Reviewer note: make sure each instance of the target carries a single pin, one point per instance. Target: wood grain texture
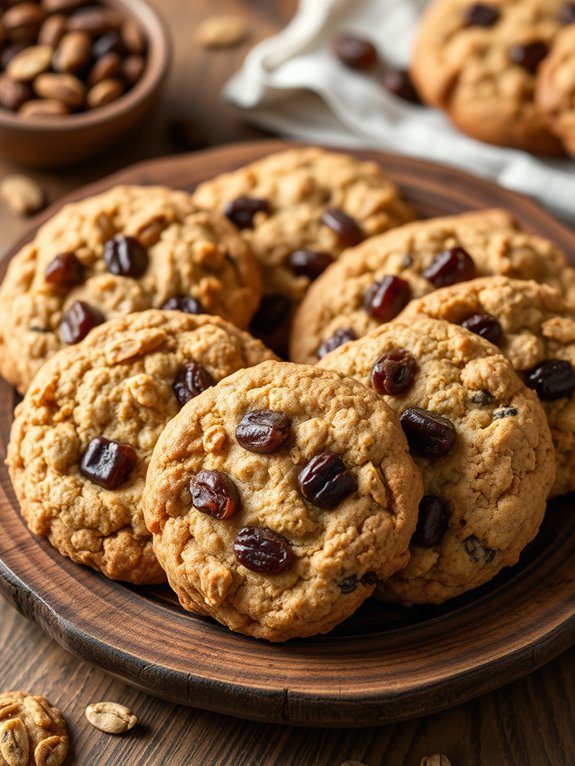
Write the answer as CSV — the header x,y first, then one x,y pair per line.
x,y
390,663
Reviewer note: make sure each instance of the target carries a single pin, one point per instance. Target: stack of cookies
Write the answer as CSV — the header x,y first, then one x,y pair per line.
x,y
503,70
406,451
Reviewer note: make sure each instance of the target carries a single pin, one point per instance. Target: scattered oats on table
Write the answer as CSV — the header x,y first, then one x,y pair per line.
x,y
222,31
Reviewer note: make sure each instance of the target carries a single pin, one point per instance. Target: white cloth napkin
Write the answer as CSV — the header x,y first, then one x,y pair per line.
x,y
292,84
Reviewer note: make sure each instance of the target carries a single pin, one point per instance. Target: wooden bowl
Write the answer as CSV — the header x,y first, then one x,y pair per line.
x,y
66,140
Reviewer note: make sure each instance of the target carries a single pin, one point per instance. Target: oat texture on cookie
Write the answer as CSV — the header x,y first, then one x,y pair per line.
x,y
535,328
32,731
128,249
480,439
278,497
371,283
84,433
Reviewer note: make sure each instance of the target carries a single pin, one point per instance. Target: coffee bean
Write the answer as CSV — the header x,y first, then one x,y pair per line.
x,y
133,68
132,37
354,51
450,267
325,481
399,82
431,523
184,303
566,14
190,381
262,550
386,298
104,92
215,494
551,379
43,107
529,55
309,263
242,210
480,15
107,66
52,30
78,320
61,6
394,372
9,52
486,326
29,63
272,313
14,94
65,271
428,433
337,339
23,21
73,52
96,20
65,88
125,256
107,462
346,228
263,431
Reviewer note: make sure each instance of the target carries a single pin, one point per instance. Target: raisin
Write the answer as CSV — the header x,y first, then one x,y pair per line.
x,y
190,381
325,481
354,51
242,210
529,55
508,412
309,263
125,256
477,551
486,326
483,398
399,82
450,267
348,584
274,310
262,550
345,227
184,303
108,463
263,431
480,15
335,341
428,433
431,522
215,494
393,372
64,271
78,320
551,379
386,298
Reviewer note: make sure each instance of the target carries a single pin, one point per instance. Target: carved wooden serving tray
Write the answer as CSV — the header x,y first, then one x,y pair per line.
x,y
383,664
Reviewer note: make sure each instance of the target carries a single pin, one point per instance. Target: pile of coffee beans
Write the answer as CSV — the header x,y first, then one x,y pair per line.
x,y
63,56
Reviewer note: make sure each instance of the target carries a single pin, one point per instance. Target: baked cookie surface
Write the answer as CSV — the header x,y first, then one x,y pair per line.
x,y
84,433
373,282
296,190
278,497
479,62
32,731
129,249
535,328
480,439
555,96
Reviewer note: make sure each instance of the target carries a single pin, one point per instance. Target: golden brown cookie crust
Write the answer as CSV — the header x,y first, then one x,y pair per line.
x,y
496,478
337,551
537,325
117,383
299,185
31,729
467,71
191,252
336,300
555,95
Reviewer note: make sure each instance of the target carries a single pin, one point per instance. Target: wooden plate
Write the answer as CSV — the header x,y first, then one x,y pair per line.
x,y
382,665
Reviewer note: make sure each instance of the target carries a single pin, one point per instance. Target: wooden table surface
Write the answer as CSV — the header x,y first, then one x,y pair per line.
x,y
527,722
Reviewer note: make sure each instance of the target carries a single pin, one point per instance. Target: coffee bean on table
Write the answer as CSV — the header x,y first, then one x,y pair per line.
x,y
263,431
262,550
184,303
309,263
125,256
386,298
107,462
190,381
325,481
242,210
65,271
486,326
394,372
346,228
354,51
335,341
431,523
78,320
551,379
450,267
214,493
428,433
